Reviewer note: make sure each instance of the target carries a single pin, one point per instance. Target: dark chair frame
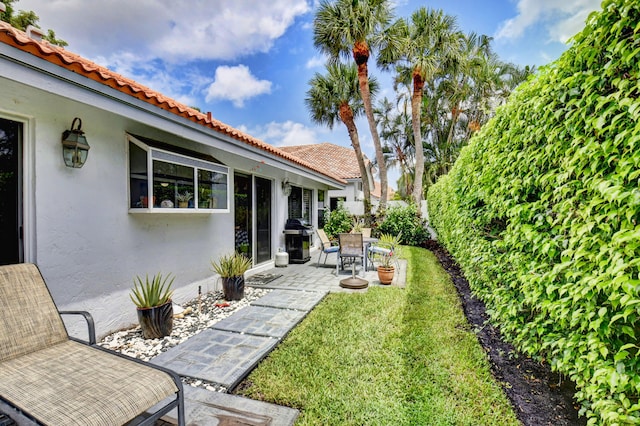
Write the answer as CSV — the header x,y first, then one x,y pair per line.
x,y
327,247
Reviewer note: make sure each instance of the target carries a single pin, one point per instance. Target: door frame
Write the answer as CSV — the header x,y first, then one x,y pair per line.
x,y
27,206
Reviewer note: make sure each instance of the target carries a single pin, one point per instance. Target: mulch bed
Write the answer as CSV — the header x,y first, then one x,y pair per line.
x,y
538,395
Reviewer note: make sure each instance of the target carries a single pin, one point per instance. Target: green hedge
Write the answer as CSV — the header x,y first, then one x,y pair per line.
x,y
542,212
405,221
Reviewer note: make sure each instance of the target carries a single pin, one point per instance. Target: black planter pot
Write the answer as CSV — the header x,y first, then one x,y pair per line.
x,y
156,322
233,288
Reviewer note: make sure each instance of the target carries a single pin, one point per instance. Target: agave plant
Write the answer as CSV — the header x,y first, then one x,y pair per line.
x,y
152,292
231,265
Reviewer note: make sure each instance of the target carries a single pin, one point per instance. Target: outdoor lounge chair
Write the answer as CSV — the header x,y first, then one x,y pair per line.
x,y
54,379
326,247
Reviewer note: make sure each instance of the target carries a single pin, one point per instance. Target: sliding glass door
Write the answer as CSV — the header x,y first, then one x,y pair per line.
x,y
243,197
253,227
263,219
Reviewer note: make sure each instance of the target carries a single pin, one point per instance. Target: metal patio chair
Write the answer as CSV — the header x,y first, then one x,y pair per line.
x,y
55,379
327,248
351,249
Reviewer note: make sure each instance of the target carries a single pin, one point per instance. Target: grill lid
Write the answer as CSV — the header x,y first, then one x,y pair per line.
x,y
297,223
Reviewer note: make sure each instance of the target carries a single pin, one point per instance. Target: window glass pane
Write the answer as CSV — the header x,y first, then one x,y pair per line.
x,y
187,161
307,195
138,185
173,185
212,190
243,214
321,208
295,203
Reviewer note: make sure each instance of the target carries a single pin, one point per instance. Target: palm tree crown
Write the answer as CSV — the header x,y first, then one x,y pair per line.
x,y
350,28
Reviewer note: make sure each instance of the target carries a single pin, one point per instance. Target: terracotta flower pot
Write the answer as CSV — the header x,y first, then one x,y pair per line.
x,y
385,274
156,322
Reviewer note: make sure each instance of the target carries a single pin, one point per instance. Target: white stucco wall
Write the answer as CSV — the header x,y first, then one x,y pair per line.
x,y
87,245
79,229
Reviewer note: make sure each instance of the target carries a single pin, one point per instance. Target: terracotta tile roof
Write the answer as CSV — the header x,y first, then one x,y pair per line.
x,y
75,63
335,159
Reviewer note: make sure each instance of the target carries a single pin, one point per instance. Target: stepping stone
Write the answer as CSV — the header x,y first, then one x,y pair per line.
x,y
204,407
291,299
261,321
217,356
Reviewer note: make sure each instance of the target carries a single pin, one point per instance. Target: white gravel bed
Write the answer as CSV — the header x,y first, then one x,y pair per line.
x,y
203,315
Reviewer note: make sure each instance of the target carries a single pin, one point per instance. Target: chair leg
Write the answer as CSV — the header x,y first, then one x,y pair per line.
x,y
181,414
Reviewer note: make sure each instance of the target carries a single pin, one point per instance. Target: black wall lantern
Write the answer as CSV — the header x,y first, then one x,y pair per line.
x,y
75,147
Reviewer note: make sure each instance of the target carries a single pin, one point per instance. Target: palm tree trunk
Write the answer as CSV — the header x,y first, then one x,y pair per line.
x,y
346,115
454,121
416,105
361,56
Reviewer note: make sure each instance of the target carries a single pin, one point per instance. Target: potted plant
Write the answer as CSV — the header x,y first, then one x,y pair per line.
x,y
152,297
183,199
387,248
231,268
386,270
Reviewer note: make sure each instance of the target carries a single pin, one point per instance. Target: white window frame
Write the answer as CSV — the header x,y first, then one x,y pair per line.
x,y
157,154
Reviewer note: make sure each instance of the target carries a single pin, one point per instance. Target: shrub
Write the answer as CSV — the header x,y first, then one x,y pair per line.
x,y
406,222
337,220
542,212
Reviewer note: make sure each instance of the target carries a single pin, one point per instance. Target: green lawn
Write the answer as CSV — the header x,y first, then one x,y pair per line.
x,y
389,356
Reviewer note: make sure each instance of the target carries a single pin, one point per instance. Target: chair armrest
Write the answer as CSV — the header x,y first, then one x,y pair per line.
x,y
90,324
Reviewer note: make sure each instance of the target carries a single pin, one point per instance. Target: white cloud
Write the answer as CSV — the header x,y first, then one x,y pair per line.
x,y
561,19
288,133
236,84
171,31
316,61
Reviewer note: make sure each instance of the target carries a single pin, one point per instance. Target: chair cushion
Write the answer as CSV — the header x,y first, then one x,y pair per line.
x,y
74,384
331,249
29,320
379,250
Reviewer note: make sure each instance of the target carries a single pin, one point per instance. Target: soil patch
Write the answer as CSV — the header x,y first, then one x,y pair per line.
x,y
538,395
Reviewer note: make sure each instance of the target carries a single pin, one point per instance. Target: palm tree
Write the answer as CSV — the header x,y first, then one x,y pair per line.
x,y
334,97
395,130
428,42
351,28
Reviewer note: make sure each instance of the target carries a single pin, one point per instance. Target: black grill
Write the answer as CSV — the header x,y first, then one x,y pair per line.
x,y
297,237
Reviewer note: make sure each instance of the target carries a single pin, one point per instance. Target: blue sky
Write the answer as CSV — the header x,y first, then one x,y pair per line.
x,y
249,61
